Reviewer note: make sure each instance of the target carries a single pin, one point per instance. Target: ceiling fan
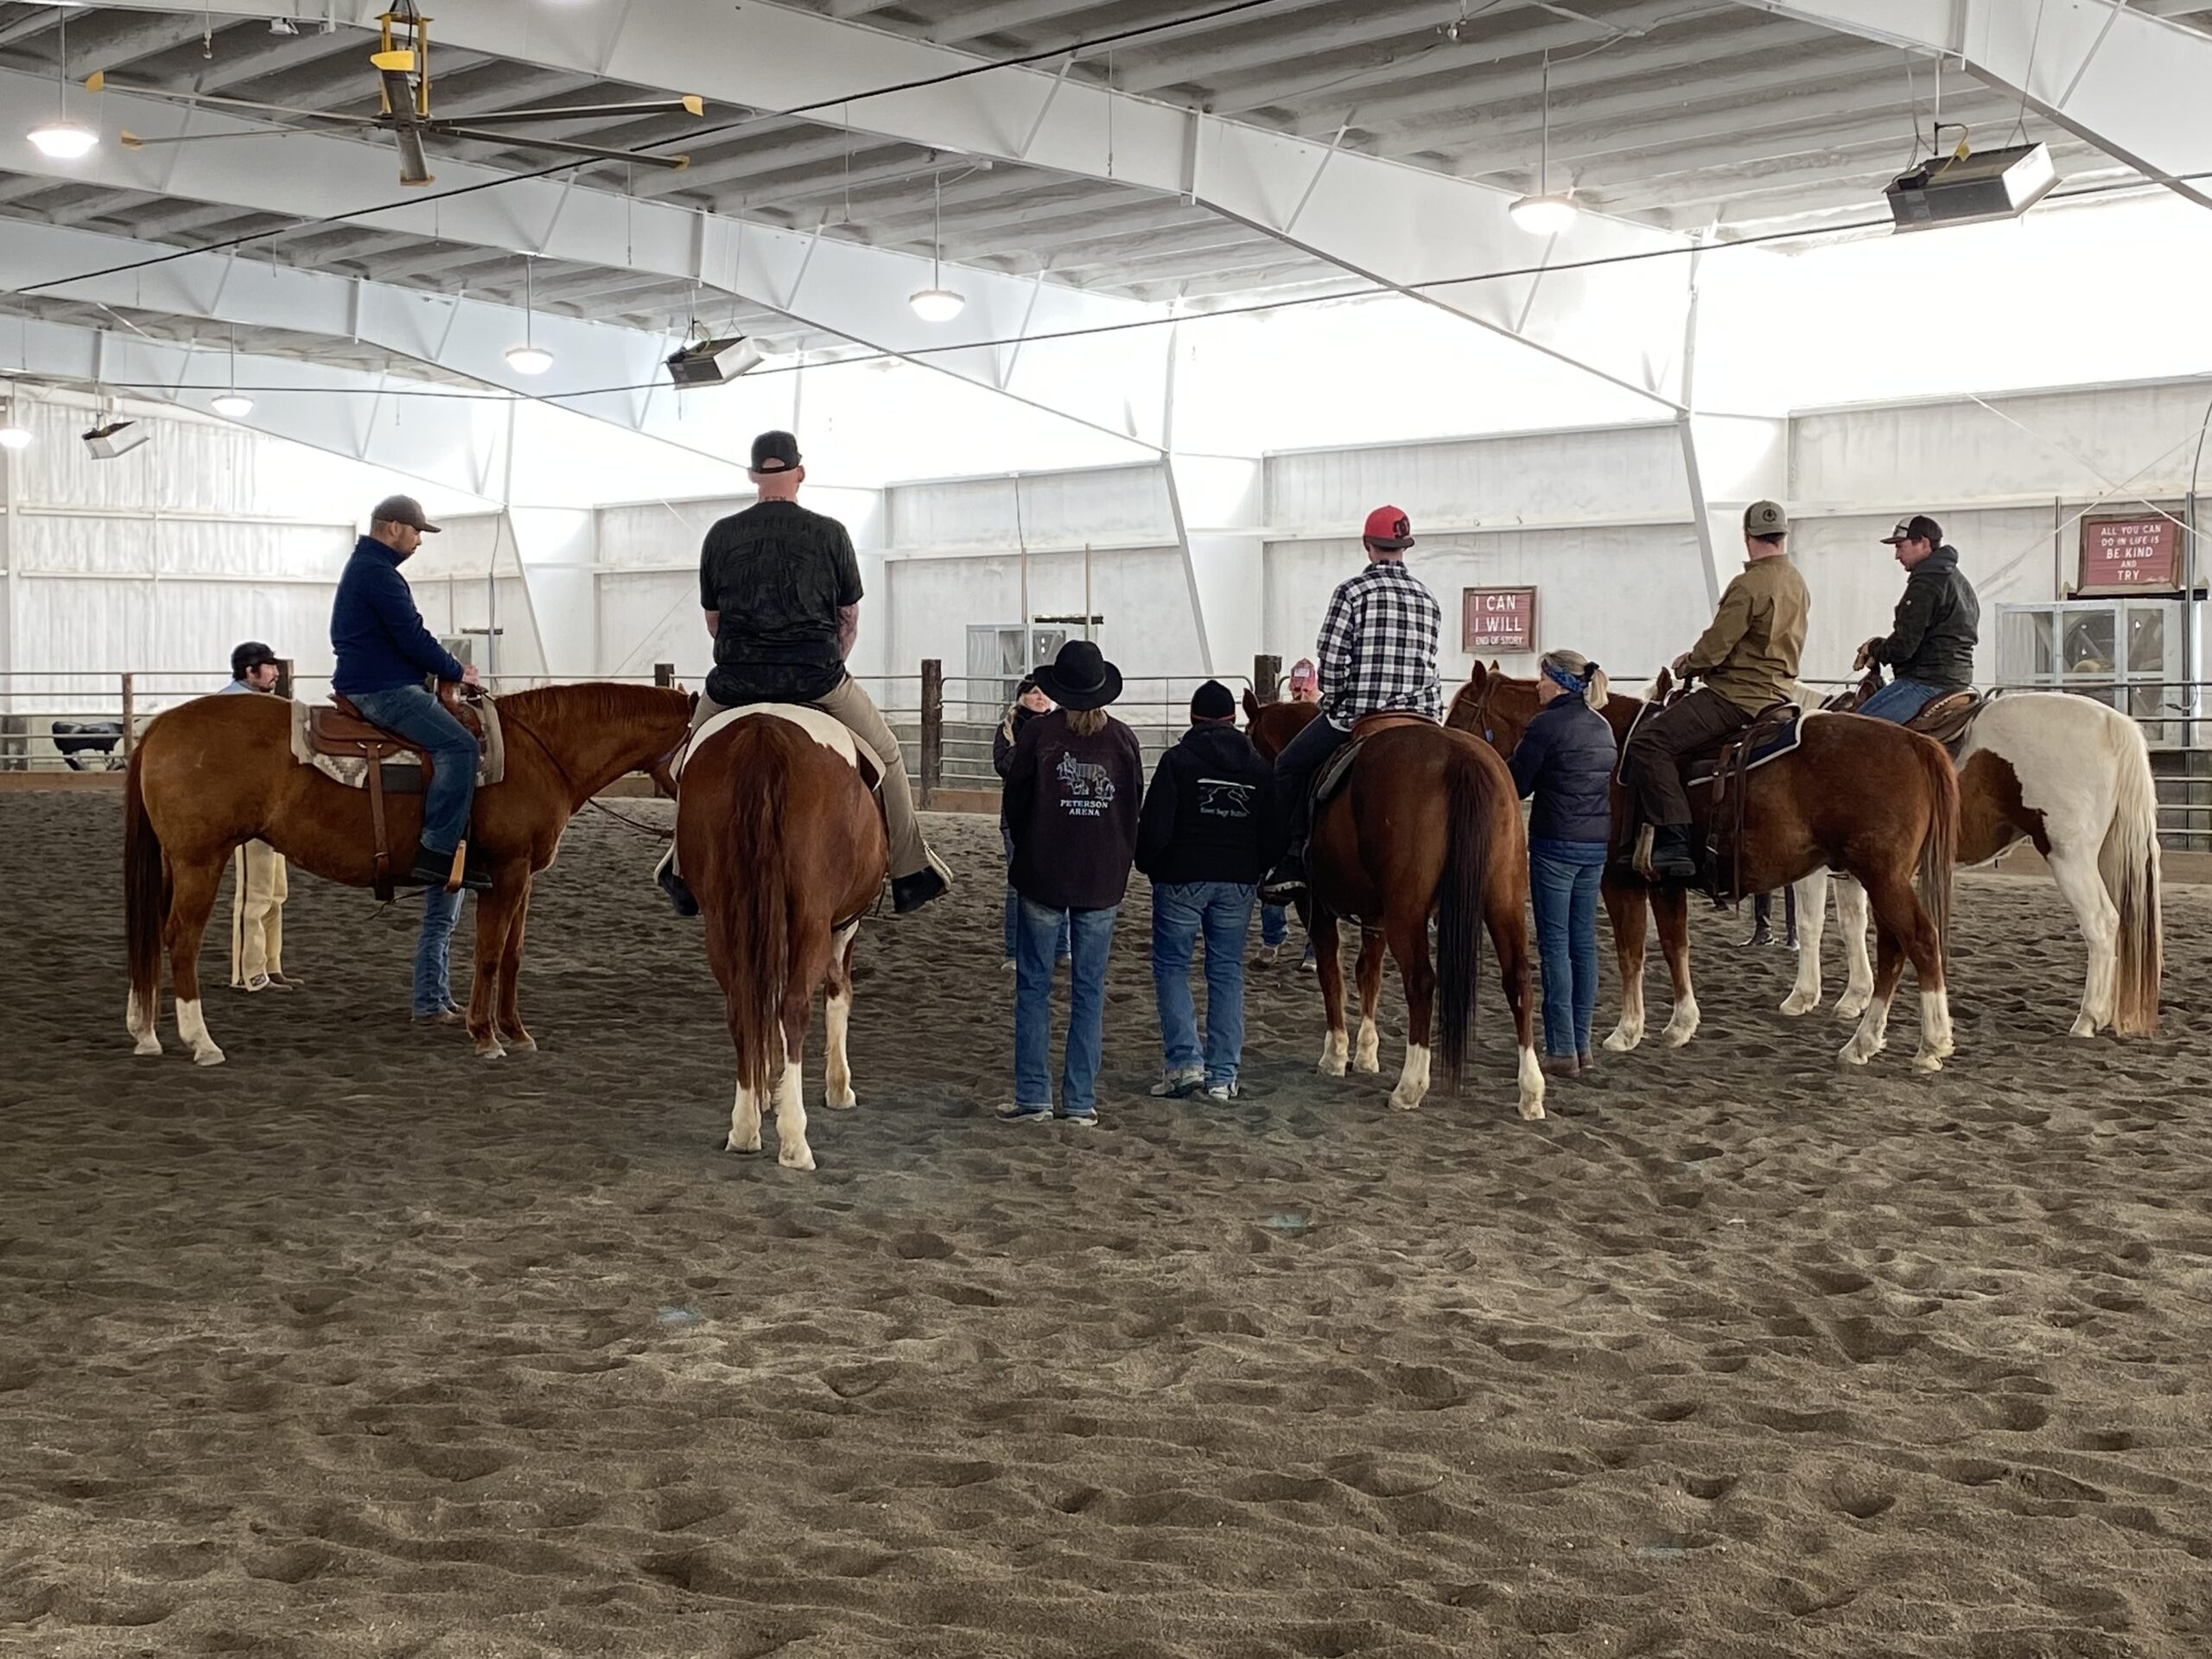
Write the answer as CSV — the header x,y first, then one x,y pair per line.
x,y
403,66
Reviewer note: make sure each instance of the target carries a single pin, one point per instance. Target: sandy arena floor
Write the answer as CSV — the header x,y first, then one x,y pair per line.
x,y
356,1345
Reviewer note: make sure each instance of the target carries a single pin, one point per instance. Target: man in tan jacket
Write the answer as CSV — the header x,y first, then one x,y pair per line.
x,y
1747,660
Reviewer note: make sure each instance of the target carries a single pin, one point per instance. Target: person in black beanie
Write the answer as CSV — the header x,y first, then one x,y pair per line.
x,y
1207,835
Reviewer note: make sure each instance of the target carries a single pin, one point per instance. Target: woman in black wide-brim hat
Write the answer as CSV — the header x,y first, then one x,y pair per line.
x,y
1074,782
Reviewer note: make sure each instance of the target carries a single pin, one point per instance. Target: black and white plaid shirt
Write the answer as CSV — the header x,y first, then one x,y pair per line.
x,y
1378,645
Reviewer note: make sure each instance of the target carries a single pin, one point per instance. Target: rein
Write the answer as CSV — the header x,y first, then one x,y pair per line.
x,y
652,831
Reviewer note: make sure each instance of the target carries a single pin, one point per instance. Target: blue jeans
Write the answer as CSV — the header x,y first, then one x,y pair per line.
x,y
1274,924
1182,911
1091,932
1013,902
1563,881
415,715
433,991
1899,700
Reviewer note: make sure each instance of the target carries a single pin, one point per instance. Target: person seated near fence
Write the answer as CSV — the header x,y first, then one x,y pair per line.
x,y
1204,838
384,654
1377,653
1029,703
1304,686
1564,758
781,585
1073,786
260,883
1929,647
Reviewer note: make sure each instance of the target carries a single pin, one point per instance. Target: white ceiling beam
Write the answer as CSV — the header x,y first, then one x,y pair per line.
x,y
439,441
967,22
1408,228
2132,84
836,287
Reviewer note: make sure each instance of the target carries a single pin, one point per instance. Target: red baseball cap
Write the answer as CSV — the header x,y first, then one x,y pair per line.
x,y
1388,529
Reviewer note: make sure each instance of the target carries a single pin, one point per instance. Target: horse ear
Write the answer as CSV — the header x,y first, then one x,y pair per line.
x,y
1495,668
1475,680
1251,704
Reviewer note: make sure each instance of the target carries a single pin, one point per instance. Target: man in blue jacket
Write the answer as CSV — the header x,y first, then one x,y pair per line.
x,y
384,653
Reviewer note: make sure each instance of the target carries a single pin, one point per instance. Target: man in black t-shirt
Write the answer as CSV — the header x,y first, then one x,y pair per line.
x,y
781,589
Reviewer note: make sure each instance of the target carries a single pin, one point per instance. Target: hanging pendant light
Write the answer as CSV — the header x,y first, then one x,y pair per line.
x,y
14,434
233,405
63,139
1546,213
936,302
528,357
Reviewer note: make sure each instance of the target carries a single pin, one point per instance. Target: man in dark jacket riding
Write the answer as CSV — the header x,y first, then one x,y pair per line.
x,y
1929,647
384,654
1206,833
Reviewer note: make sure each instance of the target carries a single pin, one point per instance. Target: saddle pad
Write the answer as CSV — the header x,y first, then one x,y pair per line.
x,y
401,774
1330,780
1777,743
830,732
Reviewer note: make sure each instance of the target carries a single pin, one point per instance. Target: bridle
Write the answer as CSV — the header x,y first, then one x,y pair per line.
x,y
652,831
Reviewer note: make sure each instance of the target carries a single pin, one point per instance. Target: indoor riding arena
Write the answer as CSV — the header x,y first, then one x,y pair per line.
x,y
1092,828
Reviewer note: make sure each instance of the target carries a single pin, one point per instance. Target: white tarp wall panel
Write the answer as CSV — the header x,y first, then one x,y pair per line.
x,y
1605,474
1628,596
466,579
1856,582
2077,444
652,616
1149,631
1112,506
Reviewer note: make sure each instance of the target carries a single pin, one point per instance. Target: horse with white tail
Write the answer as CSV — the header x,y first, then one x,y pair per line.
x,y
2071,777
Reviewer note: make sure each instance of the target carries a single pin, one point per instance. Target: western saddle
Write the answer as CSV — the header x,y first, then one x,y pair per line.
x,y
339,730
1944,718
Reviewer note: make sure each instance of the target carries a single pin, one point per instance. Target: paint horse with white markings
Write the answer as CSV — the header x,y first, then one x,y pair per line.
x,y
2072,777
782,841
1856,795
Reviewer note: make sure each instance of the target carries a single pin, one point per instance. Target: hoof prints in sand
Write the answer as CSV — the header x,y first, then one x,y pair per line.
x,y
358,1345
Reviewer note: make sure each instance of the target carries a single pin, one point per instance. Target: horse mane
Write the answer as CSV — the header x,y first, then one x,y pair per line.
x,y
587,702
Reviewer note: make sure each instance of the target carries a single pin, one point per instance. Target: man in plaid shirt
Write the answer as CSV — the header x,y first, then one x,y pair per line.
x,y
1378,651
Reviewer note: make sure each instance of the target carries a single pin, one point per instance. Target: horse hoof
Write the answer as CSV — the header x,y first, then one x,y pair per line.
x,y
2082,1028
1532,1111
1398,1105
843,1102
490,1051
1795,1004
1849,1009
802,1160
1369,1064
1671,1038
1621,1042
522,1045
731,1145
210,1055
147,1045
1928,1062
1850,1055
1331,1066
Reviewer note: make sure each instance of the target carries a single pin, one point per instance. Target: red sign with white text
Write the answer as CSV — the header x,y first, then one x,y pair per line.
x,y
2130,555
1497,619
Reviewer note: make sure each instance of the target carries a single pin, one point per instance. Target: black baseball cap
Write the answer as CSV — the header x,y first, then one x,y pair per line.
x,y
1918,528
775,452
401,509
250,656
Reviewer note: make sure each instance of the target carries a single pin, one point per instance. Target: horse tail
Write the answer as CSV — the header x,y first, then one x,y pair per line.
x,y
1461,897
758,910
145,891
1939,840
2128,861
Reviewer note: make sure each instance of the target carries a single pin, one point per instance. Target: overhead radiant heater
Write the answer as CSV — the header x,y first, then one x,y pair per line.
x,y
1971,188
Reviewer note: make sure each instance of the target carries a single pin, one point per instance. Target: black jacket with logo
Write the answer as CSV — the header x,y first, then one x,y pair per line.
x,y
1209,814
1071,805
1938,621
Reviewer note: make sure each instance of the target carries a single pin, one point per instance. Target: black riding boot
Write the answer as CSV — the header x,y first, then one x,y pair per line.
x,y
1671,857
1762,922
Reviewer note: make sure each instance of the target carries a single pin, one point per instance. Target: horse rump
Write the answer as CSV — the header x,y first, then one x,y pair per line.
x,y
740,881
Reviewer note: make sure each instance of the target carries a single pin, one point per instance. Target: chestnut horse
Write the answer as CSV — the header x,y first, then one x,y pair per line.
x,y
217,771
1861,796
1427,824
2072,777
783,846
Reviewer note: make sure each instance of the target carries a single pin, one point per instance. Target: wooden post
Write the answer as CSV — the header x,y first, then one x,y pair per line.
x,y
284,677
933,729
130,713
664,675
1267,678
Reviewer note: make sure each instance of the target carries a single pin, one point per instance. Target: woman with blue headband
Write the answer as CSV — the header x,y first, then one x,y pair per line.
x,y
1566,758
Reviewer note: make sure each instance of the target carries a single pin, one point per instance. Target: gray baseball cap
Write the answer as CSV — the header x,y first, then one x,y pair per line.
x,y
1765,518
401,509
